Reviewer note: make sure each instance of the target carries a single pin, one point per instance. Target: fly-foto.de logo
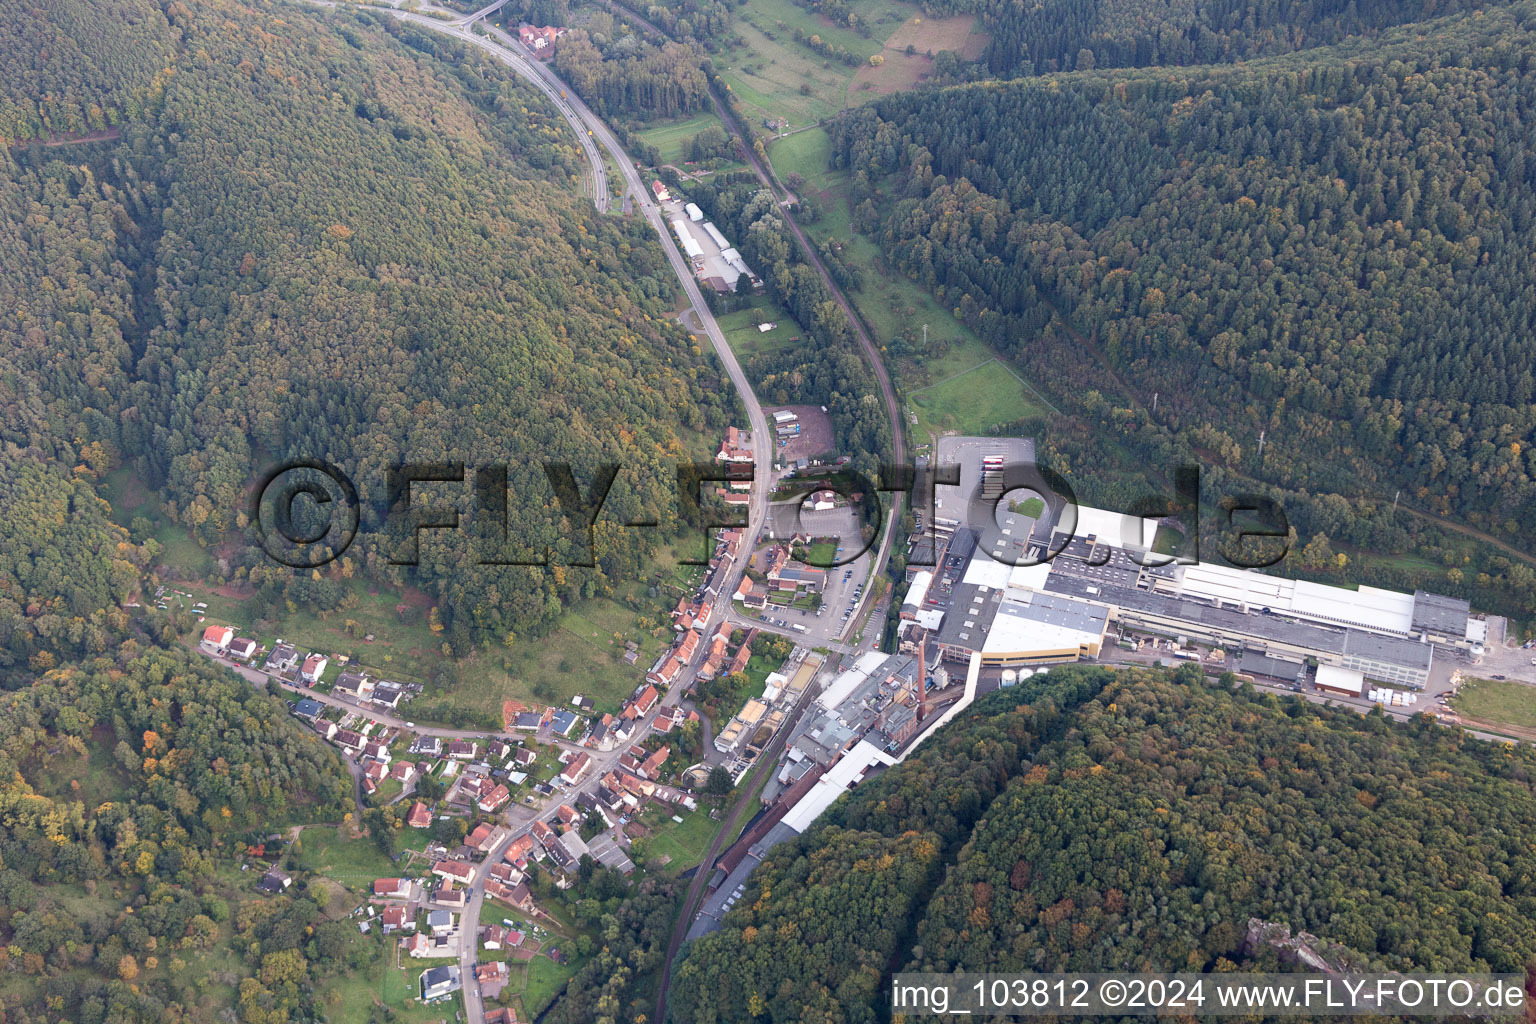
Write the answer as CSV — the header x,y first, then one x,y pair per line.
x,y
308,512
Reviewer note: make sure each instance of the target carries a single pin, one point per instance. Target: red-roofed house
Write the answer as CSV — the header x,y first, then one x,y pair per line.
x,y
652,765
646,700
392,887
495,799
217,638
518,851
314,667
541,40
420,816
734,448
576,768
454,870
396,920
402,771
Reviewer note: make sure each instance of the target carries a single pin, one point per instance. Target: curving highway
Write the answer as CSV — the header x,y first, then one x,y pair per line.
x,y
591,133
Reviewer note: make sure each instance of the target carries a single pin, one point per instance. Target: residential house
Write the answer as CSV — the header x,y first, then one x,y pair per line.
x,y
308,709
439,982
377,771
650,768
392,888
387,695
601,734
396,919
420,816
569,849
517,853
715,660
352,684
440,922
528,720
492,936
217,638
540,40
575,768
501,1015
525,757
495,800
449,895
314,668
377,751
492,978
431,746
282,658
737,447
521,897
563,722
454,871
463,750
327,729
353,741
402,772
418,945
643,703
485,837
241,648
274,881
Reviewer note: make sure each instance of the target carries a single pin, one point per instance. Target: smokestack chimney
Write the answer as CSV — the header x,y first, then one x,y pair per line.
x,y
922,674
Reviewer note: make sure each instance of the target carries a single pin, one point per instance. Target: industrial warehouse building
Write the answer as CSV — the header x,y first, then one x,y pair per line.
x,y
1060,610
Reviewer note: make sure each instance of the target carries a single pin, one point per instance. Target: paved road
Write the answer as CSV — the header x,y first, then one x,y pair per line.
x,y
590,131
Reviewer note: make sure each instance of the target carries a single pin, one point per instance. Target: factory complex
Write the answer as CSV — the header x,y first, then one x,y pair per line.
x,y
997,591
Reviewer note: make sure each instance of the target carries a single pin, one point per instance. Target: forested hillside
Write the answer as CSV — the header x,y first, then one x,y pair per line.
x,y
1134,820
335,236
125,779
1332,247
1068,35
82,66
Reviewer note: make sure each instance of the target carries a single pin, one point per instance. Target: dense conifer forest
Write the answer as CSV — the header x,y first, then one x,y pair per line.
x,y
1330,246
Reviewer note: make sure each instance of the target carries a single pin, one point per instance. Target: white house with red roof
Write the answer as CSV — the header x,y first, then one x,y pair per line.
x,y
217,638
314,667
575,768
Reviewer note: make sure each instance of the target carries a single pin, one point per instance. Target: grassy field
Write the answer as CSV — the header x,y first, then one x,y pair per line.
x,y
130,498
684,842
804,153
545,980
776,78
974,401
671,136
355,863
1498,700
351,998
746,340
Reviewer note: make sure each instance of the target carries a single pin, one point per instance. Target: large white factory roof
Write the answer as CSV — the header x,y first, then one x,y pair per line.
x,y
1042,623
1112,528
851,680
918,589
835,783
1369,607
